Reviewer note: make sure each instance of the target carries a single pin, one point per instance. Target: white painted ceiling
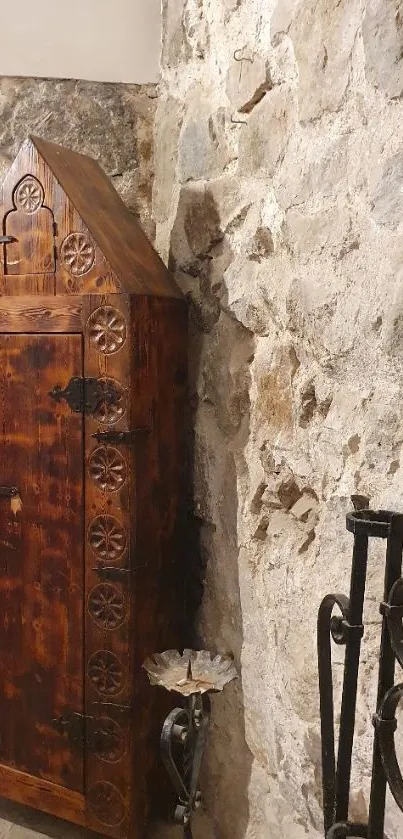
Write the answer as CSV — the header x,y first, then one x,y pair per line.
x,y
98,40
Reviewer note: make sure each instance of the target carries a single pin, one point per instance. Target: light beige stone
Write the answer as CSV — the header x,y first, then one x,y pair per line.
x,y
263,141
175,45
387,198
382,33
287,235
248,81
323,33
203,147
168,125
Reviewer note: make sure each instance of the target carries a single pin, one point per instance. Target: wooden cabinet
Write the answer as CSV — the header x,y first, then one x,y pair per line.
x,y
92,463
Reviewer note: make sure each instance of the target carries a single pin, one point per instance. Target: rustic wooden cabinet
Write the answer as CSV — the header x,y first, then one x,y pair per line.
x,y
92,391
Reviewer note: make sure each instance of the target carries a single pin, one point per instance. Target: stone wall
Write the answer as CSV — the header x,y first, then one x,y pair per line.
x,y
113,123
279,203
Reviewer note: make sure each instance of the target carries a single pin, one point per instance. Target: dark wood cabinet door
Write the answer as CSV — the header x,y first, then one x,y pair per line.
x,y
41,557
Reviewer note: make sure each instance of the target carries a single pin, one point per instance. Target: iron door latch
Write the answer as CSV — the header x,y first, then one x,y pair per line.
x,y
111,574
127,438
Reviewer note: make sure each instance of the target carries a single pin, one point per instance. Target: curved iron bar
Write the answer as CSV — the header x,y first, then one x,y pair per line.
x,y
385,725
188,729
347,629
177,717
386,675
342,830
324,637
393,610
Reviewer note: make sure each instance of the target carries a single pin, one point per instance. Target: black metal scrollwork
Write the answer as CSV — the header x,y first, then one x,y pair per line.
x,y
347,629
183,740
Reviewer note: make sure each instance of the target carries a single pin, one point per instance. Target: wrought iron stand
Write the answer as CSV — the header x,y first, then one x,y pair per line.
x,y
182,745
193,675
347,629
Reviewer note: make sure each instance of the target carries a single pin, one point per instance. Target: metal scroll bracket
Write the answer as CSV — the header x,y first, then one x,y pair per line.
x,y
193,674
347,629
183,740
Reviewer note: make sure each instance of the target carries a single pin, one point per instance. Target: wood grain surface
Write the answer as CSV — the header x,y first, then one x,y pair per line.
x,y
41,557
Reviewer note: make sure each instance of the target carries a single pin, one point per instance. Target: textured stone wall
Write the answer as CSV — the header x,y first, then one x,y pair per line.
x,y
113,123
279,203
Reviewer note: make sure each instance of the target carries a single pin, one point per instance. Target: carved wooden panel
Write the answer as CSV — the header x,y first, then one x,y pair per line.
x,y
106,605
113,741
107,468
107,538
30,224
106,323
77,254
37,212
106,803
107,329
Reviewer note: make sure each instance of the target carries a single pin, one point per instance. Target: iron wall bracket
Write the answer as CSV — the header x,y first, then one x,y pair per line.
x,y
183,740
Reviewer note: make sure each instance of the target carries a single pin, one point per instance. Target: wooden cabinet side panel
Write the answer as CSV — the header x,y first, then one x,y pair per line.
x,y
107,671
159,388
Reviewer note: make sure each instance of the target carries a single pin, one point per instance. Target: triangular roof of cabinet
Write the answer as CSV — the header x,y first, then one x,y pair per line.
x,y
66,230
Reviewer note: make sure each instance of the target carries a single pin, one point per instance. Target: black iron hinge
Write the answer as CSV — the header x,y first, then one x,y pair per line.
x,y
85,395
72,724
93,733
9,492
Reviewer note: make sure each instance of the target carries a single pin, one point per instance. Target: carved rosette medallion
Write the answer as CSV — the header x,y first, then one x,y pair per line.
x,y
29,195
107,329
106,605
107,538
77,254
111,411
106,803
107,468
111,739
105,672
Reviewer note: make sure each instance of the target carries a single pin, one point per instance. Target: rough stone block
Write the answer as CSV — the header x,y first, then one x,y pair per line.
x,y
263,141
387,198
248,81
382,34
323,33
203,148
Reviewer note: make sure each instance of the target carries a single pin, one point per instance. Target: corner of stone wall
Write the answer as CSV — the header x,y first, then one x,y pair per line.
x,y
278,203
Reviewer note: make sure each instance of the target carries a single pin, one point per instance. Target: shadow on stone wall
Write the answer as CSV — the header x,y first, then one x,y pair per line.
x,y
220,351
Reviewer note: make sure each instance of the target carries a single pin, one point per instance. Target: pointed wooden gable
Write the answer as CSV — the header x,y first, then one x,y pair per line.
x,y
66,230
